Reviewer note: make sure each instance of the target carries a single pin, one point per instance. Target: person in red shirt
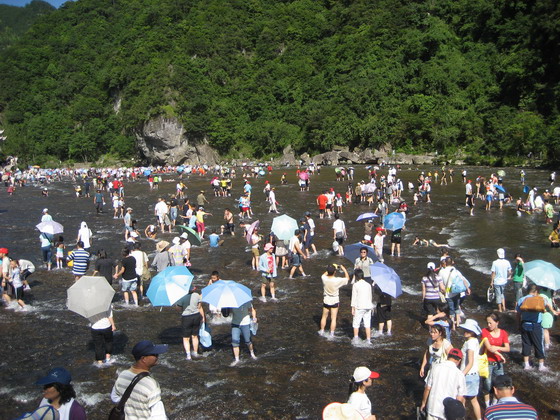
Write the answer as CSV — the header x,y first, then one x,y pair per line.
x,y
322,203
495,342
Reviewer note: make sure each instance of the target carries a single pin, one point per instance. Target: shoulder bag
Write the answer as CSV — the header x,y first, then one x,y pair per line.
x,y
117,413
533,304
483,368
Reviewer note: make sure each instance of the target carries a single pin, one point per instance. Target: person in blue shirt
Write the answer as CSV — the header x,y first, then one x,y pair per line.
x,y
531,329
214,239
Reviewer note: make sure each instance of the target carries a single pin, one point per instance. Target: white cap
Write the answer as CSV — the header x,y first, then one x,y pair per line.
x,y
184,235
367,237
361,373
431,266
501,253
45,210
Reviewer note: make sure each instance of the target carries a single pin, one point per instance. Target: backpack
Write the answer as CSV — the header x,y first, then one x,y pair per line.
x,y
457,285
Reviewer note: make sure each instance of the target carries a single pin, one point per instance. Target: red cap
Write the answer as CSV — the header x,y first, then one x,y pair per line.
x,y
379,229
456,353
4,251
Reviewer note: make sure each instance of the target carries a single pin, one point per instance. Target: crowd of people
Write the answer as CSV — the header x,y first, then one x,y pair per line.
x,y
454,377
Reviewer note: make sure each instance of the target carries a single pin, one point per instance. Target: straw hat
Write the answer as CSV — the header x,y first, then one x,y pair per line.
x,y
161,245
338,411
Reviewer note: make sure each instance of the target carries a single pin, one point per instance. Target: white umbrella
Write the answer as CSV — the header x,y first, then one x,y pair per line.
x,y
90,297
284,227
51,227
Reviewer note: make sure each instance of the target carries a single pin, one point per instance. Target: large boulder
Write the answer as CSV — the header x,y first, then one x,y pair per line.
x,y
351,157
163,141
327,158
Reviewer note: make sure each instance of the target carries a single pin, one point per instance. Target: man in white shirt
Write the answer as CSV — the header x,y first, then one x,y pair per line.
x,y
444,380
362,305
141,265
311,234
339,232
501,273
161,211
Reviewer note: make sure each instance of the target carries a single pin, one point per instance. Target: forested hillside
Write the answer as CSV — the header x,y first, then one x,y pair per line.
x,y
476,76
14,21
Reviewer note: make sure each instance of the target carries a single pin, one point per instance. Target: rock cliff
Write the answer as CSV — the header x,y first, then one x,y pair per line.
x,y
163,141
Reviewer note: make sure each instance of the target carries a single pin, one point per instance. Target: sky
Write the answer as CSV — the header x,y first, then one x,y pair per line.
x,y
21,3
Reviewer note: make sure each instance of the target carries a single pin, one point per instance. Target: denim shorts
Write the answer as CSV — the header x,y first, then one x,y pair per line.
x,y
129,285
499,293
473,382
236,331
496,369
453,303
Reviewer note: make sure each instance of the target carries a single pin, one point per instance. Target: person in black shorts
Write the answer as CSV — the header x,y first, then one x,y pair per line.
x,y
396,242
384,304
191,320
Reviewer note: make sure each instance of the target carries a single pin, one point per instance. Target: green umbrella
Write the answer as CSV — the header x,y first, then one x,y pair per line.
x,y
194,239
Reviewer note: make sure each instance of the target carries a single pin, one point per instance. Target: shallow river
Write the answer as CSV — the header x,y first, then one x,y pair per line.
x,y
297,372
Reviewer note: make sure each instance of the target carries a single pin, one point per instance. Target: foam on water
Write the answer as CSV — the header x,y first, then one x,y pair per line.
x,y
214,383
412,290
92,400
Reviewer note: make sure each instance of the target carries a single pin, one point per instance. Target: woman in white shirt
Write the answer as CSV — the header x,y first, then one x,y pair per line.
x,y
469,364
360,381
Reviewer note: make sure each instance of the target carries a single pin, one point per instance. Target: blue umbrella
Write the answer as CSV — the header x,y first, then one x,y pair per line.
x,y
543,274
170,285
284,227
352,251
386,278
366,216
394,221
500,188
226,294
147,172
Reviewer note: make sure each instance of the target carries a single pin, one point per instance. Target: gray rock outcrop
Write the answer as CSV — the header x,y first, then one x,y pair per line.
x,y
163,141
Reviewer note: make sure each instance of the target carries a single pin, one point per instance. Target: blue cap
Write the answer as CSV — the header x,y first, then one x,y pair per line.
x,y
147,348
57,375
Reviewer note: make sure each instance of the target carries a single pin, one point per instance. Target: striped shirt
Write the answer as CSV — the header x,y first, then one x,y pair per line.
x,y
144,396
81,261
510,408
432,286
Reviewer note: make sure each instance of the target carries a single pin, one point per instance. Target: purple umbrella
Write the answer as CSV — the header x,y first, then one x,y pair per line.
x,y
251,229
366,216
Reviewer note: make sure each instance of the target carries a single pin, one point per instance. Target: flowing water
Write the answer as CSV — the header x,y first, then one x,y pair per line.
x,y
297,372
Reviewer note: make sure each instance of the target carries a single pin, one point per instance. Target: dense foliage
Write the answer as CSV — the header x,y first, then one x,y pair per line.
x,y
253,76
14,21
